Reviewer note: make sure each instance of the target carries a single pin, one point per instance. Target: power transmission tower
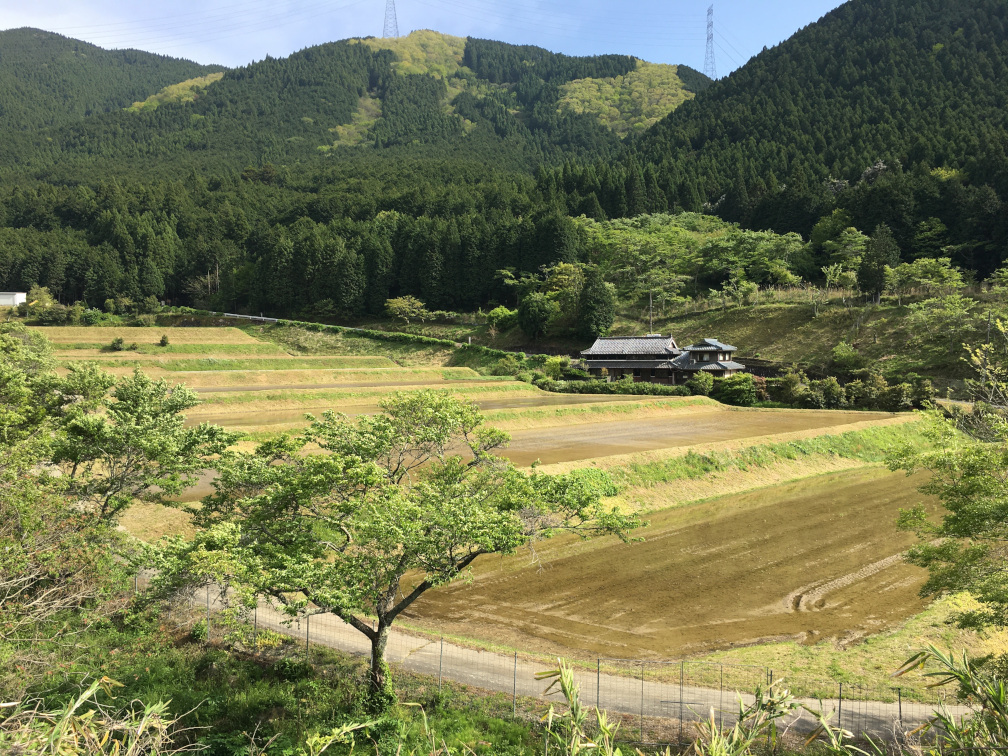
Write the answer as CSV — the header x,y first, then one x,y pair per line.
x,y
708,67
391,23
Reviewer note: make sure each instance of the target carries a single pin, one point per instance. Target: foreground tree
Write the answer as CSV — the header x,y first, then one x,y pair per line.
x,y
124,440
967,549
398,503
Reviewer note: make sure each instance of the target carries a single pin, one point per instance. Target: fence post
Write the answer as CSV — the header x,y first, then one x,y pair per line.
x,y
839,718
136,583
514,691
598,681
642,702
682,673
721,700
440,665
307,630
255,630
208,611
899,698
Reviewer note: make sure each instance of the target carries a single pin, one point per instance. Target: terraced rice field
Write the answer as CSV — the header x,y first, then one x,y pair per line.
x,y
812,559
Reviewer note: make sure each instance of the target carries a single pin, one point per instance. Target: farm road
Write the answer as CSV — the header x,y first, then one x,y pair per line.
x,y
511,674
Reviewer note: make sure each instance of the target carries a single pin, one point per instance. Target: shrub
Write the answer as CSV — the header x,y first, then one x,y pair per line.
x,y
164,340
146,320
502,319
898,398
508,365
701,384
535,314
54,314
833,394
118,344
149,304
846,360
91,317
738,390
407,308
200,631
555,367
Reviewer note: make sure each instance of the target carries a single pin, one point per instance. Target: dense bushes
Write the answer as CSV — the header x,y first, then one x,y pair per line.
x,y
739,390
867,391
626,386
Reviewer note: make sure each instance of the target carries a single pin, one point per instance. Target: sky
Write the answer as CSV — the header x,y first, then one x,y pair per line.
x,y
233,33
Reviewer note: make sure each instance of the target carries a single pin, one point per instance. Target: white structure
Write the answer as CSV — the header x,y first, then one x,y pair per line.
x,y
12,298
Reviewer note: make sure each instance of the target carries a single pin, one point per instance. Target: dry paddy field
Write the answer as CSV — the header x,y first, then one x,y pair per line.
x,y
777,557
812,560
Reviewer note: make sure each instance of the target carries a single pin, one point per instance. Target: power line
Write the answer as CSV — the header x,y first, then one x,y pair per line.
x,y
709,67
391,22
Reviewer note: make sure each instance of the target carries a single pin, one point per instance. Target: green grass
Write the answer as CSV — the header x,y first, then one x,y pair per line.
x,y
628,103
870,661
266,363
869,445
213,349
309,396
316,343
185,91
230,695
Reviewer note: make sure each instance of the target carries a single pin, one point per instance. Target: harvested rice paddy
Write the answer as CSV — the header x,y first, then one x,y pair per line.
x,y
793,540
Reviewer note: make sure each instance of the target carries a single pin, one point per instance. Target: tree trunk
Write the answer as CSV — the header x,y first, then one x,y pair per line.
x,y
379,669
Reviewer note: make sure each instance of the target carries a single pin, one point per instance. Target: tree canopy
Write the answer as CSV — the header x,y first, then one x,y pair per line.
x,y
394,505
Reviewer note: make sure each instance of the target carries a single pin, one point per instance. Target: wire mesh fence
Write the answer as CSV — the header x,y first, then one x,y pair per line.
x,y
655,701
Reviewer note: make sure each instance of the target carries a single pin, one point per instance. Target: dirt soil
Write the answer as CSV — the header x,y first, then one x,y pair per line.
x,y
699,426
240,417
813,560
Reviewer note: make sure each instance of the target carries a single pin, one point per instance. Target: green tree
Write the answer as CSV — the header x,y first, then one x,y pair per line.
x,y
398,503
880,253
964,548
596,305
124,440
535,313
406,309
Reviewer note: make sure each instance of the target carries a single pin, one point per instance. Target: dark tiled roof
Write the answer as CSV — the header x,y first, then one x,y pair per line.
x,y
683,361
663,346
615,364
710,345
719,366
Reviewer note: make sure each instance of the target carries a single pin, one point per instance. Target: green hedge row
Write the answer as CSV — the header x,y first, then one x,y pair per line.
x,y
612,387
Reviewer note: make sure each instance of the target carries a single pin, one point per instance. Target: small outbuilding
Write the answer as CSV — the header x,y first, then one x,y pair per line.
x,y
12,298
658,359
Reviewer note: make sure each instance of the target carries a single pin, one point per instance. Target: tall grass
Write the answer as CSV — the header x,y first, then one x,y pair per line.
x,y
869,445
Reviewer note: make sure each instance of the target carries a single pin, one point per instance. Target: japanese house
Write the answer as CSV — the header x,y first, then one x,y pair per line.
x,y
658,359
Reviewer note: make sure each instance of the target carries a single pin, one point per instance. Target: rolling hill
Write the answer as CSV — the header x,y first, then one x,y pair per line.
x,y
48,80
425,94
891,111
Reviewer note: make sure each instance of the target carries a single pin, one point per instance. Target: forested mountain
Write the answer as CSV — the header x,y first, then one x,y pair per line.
x,y
364,169
892,111
47,79
468,98
325,182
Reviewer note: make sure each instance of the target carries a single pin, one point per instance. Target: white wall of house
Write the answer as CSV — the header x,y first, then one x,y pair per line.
x,y
12,298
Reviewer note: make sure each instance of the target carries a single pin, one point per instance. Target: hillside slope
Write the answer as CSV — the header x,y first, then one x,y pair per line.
x,y
47,79
890,110
424,95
